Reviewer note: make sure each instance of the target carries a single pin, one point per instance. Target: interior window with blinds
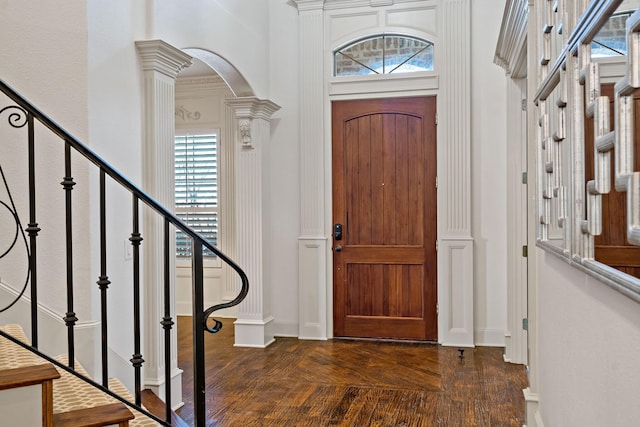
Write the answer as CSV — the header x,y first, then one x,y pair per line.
x,y
196,186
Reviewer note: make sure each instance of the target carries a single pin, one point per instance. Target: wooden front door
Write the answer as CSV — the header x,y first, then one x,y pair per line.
x,y
384,207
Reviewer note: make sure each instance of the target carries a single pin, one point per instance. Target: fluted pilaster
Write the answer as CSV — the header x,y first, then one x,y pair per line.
x,y
313,240
456,90
161,64
455,261
252,135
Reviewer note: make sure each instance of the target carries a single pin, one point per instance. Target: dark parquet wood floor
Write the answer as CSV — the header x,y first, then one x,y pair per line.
x,y
352,383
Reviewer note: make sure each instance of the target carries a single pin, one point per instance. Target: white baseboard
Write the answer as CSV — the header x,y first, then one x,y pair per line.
x,y
285,329
533,416
158,387
489,337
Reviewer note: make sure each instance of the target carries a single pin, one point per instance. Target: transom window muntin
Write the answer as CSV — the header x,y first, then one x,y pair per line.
x,y
384,54
611,40
196,190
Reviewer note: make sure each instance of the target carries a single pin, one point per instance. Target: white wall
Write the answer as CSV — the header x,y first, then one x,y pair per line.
x,y
115,133
282,244
43,50
488,172
588,346
236,30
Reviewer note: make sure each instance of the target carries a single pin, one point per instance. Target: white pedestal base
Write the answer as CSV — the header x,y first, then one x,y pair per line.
x,y
254,333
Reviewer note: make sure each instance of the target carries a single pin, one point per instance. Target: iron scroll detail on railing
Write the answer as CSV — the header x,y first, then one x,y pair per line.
x,y
25,114
16,119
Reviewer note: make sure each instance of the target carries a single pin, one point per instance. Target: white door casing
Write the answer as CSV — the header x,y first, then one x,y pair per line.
x,y
325,26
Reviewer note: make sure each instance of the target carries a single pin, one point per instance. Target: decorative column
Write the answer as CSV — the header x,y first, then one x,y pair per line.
x,y
455,258
161,64
253,327
312,243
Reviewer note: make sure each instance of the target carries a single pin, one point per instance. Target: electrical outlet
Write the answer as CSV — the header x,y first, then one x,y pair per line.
x,y
128,250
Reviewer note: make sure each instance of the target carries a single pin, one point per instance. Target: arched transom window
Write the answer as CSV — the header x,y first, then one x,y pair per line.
x,y
383,54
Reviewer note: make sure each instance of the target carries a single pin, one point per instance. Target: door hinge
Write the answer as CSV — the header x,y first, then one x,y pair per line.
x,y
436,119
436,246
525,324
524,105
436,182
525,177
437,308
525,251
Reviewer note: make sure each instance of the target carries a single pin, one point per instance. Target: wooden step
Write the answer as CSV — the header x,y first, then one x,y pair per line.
x,y
156,406
27,375
97,416
20,368
67,400
72,394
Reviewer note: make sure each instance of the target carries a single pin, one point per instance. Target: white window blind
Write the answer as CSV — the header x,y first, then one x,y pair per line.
x,y
196,186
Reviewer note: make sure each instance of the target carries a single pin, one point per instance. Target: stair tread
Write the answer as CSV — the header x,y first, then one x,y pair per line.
x,y
27,376
97,416
71,393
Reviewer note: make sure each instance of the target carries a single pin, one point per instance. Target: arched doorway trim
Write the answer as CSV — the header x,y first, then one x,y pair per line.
x,y
236,81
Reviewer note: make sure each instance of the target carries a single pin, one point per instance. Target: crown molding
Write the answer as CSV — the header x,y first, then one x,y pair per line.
x,y
305,5
252,108
158,55
198,83
345,4
511,50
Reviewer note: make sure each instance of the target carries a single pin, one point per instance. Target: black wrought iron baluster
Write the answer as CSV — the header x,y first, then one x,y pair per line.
x,y
70,318
137,359
167,322
33,230
103,281
17,118
199,409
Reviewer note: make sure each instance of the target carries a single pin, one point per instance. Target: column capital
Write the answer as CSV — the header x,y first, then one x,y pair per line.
x,y
158,55
250,107
246,109
305,5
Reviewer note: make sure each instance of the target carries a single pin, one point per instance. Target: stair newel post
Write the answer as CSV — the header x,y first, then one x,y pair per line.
x,y
199,409
137,359
33,229
70,318
167,322
103,281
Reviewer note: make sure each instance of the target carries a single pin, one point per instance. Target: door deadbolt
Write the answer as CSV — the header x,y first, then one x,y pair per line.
x,y
337,231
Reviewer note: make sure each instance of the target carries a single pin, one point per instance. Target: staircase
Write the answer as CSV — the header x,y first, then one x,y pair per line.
x,y
60,387
65,399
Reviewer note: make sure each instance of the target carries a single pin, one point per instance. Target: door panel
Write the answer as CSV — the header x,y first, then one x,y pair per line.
x,y
384,195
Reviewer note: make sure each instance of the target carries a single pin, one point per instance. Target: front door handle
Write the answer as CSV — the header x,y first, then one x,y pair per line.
x,y
338,248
